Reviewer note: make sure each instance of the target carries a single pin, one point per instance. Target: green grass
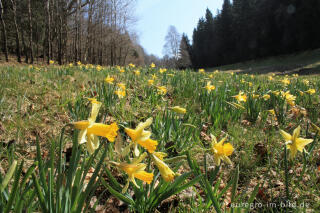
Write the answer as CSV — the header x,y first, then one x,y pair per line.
x,y
38,102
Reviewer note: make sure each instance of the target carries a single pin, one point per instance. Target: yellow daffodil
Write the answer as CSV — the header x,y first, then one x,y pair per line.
x,y
142,137
152,65
250,84
201,71
276,93
295,75
178,110
154,76
272,112
120,93
89,130
162,70
160,155
209,87
216,72
135,169
137,72
289,98
132,65
311,91
162,90
109,80
121,70
150,82
121,86
241,97
51,62
79,63
211,76
301,92
270,78
285,81
166,173
71,65
98,68
306,82
266,97
220,150
294,143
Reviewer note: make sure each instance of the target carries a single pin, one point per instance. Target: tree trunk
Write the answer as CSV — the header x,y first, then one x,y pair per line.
x,y
4,32
14,10
48,31
25,48
30,32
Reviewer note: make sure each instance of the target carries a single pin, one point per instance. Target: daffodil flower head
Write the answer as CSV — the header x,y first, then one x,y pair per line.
x,y
89,130
306,82
120,93
137,72
266,97
294,143
150,82
209,87
201,71
178,109
142,137
162,90
136,169
285,81
289,98
311,91
166,173
272,112
109,80
241,97
221,150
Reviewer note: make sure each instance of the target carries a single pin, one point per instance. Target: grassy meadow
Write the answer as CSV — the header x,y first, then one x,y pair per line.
x,y
84,138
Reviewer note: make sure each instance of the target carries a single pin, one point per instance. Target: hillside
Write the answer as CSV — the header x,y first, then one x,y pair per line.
x,y
303,63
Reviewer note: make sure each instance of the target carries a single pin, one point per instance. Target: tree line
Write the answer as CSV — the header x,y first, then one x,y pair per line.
x,y
90,31
250,29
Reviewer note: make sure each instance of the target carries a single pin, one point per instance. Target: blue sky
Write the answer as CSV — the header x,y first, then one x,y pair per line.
x,y
155,17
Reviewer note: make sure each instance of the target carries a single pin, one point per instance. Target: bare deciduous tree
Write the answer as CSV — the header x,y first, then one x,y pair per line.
x,y
172,43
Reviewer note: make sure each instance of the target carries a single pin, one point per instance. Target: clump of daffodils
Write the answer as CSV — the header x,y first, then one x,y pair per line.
x,y
135,168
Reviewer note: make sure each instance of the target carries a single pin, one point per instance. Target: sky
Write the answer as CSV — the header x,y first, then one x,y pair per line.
x,y
155,17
